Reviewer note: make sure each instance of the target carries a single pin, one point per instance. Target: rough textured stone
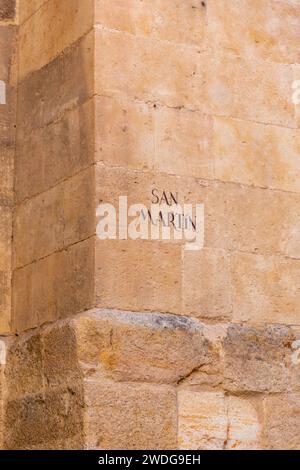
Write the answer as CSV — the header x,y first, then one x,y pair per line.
x,y
41,419
202,420
268,31
282,430
242,152
7,9
149,69
207,291
264,288
61,19
138,275
54,287
257,360
130,416
141,347
176,21
244,428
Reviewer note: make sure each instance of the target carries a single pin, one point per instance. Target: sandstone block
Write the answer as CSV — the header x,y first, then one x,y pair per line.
x,y
7,10
60,365
5,236
129,416
202,420
148,347
138,275
40,419
28,8
61,19
268,32
282,418
5,301
256,360
54,152
54,287
179,22
207,290
244,428
150,70
265,288
255,154
24,367
61,85
243,88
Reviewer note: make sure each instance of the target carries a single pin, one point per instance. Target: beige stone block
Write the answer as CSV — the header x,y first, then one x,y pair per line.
x,y
176,21
24,367
8,53
268,31
55,26
39,227
124,133
5,237
60,86
244,428
207,290
202,420
79,207
130,416
7,156
251,219
60,364
255,154
183,142
244,88
7,10
41,419
52,153
141,347
265,289
138,275
149,70
282,418
28,8
257,359
54,287
5,301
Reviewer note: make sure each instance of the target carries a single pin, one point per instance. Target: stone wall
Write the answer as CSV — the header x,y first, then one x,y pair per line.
x,y
141,344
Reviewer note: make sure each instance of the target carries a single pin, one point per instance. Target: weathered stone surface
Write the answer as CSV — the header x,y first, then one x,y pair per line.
x,y
244,428
60,356
5,301
256,360
138,275
24,367
61,85
5,235
243,88
55,219
61,19
207,291
55,152
265,288
256,154
282,419
176,21
41,419
202,420
7,9
149,69
146,347
54,287
129,416
28,8
268,31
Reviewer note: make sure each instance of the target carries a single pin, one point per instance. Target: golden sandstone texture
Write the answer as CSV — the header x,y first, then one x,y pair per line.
x,y
141,344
